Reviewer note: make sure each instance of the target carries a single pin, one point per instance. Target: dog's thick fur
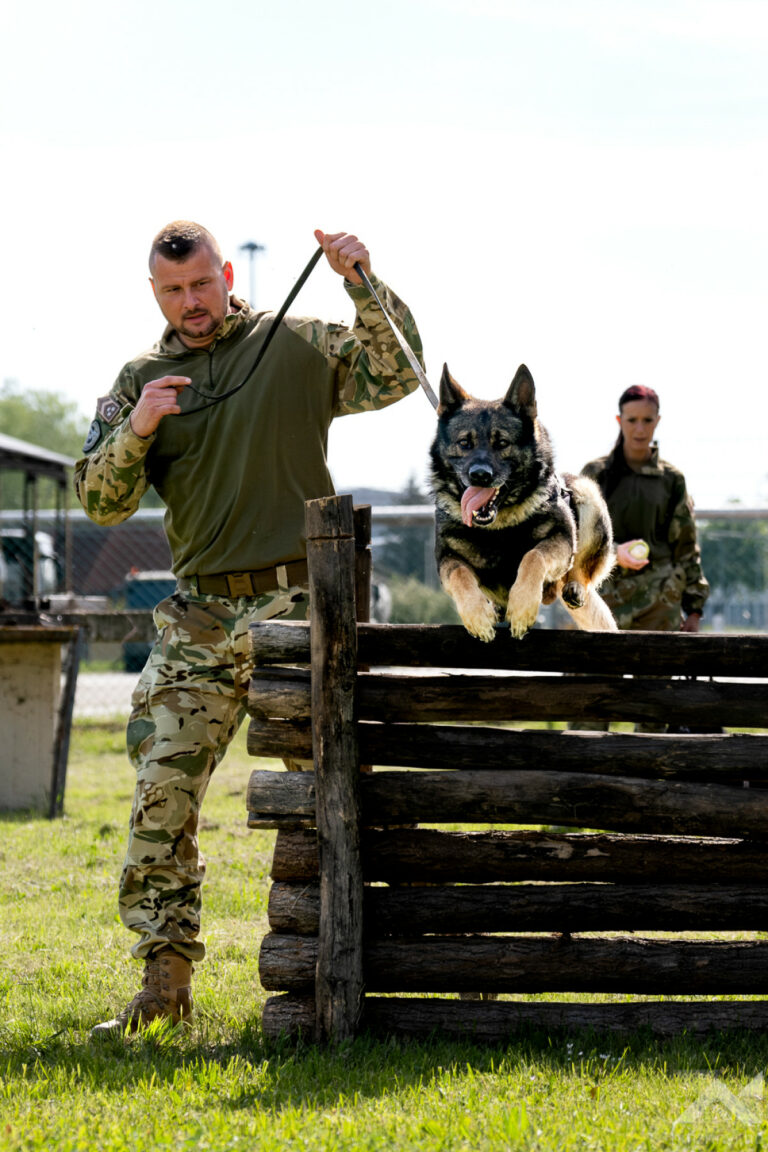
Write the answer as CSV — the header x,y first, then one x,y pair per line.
x,y
540,535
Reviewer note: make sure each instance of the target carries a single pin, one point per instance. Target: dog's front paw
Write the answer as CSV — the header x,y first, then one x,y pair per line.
x,y
479,618
521,615
574,594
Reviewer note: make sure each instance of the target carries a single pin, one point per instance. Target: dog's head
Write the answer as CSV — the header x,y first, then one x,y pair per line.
x,y
488,453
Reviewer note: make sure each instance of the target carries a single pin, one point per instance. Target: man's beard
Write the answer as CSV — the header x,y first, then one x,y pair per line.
x,y
198,333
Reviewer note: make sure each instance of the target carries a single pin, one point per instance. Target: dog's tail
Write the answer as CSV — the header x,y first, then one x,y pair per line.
x,y
594,615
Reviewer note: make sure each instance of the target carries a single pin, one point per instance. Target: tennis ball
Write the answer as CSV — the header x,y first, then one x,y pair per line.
x,y
639,550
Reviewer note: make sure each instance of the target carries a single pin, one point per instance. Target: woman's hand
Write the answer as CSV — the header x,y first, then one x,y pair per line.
x,y
625,558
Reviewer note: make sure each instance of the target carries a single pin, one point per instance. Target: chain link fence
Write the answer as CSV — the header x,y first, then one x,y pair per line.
x,y
127,567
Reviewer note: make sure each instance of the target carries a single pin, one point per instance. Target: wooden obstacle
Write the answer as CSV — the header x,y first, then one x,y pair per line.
x,y
377,925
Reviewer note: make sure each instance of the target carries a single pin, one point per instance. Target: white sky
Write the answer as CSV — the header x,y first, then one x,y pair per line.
x,y
582,187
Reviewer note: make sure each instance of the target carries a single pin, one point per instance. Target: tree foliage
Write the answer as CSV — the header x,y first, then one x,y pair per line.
x,y
45,419
734,554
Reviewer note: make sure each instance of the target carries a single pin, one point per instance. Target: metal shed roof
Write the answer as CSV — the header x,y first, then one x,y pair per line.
x,y
31,458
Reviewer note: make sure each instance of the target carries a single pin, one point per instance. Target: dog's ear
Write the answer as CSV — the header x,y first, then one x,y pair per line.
x,y
452,395
522,393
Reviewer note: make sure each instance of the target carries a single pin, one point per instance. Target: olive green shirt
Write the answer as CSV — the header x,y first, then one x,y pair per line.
x,y
234,475
651,503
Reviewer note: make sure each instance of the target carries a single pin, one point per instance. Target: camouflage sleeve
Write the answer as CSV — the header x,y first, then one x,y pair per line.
x,y
110,478
371,369
684,544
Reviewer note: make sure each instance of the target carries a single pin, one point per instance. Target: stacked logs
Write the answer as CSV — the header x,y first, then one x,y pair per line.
x,y
361,906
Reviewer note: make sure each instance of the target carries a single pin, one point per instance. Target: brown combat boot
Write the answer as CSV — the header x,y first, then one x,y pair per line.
x,y
166,993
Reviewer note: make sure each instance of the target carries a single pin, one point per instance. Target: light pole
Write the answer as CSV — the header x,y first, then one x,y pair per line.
x,y
251,247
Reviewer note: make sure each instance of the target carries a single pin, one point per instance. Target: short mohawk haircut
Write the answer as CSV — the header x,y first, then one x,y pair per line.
x,y
179,240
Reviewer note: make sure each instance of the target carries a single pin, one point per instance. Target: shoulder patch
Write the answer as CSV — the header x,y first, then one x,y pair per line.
x,y
108,408
93,437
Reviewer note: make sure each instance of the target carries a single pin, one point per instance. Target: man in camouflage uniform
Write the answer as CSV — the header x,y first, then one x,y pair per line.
x,y
234,457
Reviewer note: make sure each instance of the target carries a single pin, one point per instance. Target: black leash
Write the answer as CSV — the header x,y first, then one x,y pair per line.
x,y
276,322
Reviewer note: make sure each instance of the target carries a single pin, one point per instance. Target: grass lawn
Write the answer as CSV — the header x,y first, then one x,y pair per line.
x,y
64,965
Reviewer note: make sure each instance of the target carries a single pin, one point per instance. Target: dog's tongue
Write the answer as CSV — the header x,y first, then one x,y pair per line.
x,y
473,499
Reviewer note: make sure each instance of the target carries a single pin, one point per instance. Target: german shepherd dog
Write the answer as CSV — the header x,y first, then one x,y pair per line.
x,y
510,533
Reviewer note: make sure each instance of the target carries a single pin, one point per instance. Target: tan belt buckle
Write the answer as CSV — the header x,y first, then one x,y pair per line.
x,y
239,584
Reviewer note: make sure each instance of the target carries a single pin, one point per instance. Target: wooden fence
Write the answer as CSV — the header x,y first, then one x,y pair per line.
x,y
371,916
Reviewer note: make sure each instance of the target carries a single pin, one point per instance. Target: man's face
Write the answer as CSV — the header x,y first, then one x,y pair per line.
x,y
193,294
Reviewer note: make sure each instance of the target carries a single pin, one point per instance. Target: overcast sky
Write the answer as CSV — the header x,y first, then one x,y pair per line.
x,y
580,187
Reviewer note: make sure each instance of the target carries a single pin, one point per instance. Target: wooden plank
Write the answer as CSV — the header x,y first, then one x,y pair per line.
x,y
548,650
285,693
280,641
569,799
518,964
485,698
331,558
724,757
295,908
496,1022
279,739
541,650
430,855
733,757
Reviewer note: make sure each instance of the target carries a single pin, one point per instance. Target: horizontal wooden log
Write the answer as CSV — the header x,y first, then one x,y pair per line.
x,y
541,650
729,757
495,1022
733,756
531,964
279,738
614,803
428,699
285,693
295,908
429,855
280,693
279,823
280,642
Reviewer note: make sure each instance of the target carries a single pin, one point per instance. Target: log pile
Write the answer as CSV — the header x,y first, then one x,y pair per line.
x,y
642,834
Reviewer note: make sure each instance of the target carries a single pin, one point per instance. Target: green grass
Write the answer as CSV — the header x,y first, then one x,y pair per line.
x,y
64,965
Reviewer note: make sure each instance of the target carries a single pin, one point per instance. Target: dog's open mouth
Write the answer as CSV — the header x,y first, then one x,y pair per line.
x,y
479,506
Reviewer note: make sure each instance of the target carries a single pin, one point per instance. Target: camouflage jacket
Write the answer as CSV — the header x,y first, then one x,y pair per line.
x,y
234,475
653,504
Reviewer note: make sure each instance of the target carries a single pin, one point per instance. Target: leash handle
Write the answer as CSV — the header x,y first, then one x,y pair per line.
x,y
410,355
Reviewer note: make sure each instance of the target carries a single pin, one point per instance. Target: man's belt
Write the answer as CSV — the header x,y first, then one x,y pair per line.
x,y
248,583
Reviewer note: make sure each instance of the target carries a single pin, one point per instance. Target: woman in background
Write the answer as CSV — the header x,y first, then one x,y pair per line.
x,y
658,583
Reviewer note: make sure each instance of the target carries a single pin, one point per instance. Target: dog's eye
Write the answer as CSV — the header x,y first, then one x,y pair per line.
x,y
465,442
502,442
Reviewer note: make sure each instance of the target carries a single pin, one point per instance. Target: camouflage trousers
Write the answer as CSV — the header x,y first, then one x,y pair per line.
x,y
186,709
647,601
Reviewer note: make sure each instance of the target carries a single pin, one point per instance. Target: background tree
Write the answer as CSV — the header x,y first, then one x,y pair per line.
x,y
49,421
733,554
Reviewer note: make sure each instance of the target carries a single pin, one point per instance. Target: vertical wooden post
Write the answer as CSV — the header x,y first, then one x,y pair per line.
x,y
363,575
363,562
339,973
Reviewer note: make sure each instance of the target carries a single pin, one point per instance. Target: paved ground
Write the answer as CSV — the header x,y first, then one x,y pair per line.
x,y
101,694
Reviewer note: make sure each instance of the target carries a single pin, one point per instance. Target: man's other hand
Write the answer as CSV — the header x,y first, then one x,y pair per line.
x,y
158,398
